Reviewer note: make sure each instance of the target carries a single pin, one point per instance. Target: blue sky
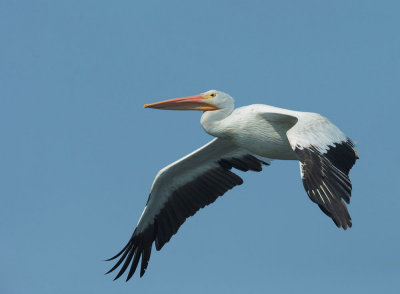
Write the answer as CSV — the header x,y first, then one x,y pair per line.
x,y
79,153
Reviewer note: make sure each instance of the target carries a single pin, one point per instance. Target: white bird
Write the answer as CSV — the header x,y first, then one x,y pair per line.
x,y
246,139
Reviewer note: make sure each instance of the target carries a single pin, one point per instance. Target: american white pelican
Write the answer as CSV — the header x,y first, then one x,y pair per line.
x,y
246,139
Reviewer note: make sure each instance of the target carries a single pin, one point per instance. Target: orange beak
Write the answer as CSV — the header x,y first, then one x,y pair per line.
x,y
196,102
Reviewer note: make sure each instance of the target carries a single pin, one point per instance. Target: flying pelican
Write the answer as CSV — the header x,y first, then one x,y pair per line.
x,y
246,139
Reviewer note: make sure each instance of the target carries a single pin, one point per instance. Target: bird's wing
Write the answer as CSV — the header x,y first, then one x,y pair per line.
x,y
326,156
179,191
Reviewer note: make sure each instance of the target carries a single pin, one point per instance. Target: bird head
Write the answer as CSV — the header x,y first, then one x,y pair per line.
x,y
207,101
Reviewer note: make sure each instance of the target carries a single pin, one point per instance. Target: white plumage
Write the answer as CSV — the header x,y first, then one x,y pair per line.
x,y
247,138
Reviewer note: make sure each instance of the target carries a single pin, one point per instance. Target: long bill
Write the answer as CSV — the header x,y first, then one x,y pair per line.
x,y
196,102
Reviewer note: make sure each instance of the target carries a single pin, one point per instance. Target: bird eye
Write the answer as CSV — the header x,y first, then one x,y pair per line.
x,y
212,94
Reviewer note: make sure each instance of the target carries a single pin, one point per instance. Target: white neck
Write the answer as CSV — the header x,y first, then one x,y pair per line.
x,y
212,121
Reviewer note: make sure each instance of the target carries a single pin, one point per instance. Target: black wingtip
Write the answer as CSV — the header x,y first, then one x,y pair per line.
x,y
109,271
119,253
142,273
112,258
119,262
345,224
115,256
139,245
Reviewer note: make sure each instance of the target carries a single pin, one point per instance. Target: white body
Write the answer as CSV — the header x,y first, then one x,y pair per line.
x,y
248,128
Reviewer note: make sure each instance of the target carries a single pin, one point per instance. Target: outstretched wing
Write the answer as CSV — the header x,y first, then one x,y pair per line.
x,y
178,192
326,156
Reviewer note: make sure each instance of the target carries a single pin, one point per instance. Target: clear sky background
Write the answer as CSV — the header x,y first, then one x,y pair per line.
x,y
79,153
